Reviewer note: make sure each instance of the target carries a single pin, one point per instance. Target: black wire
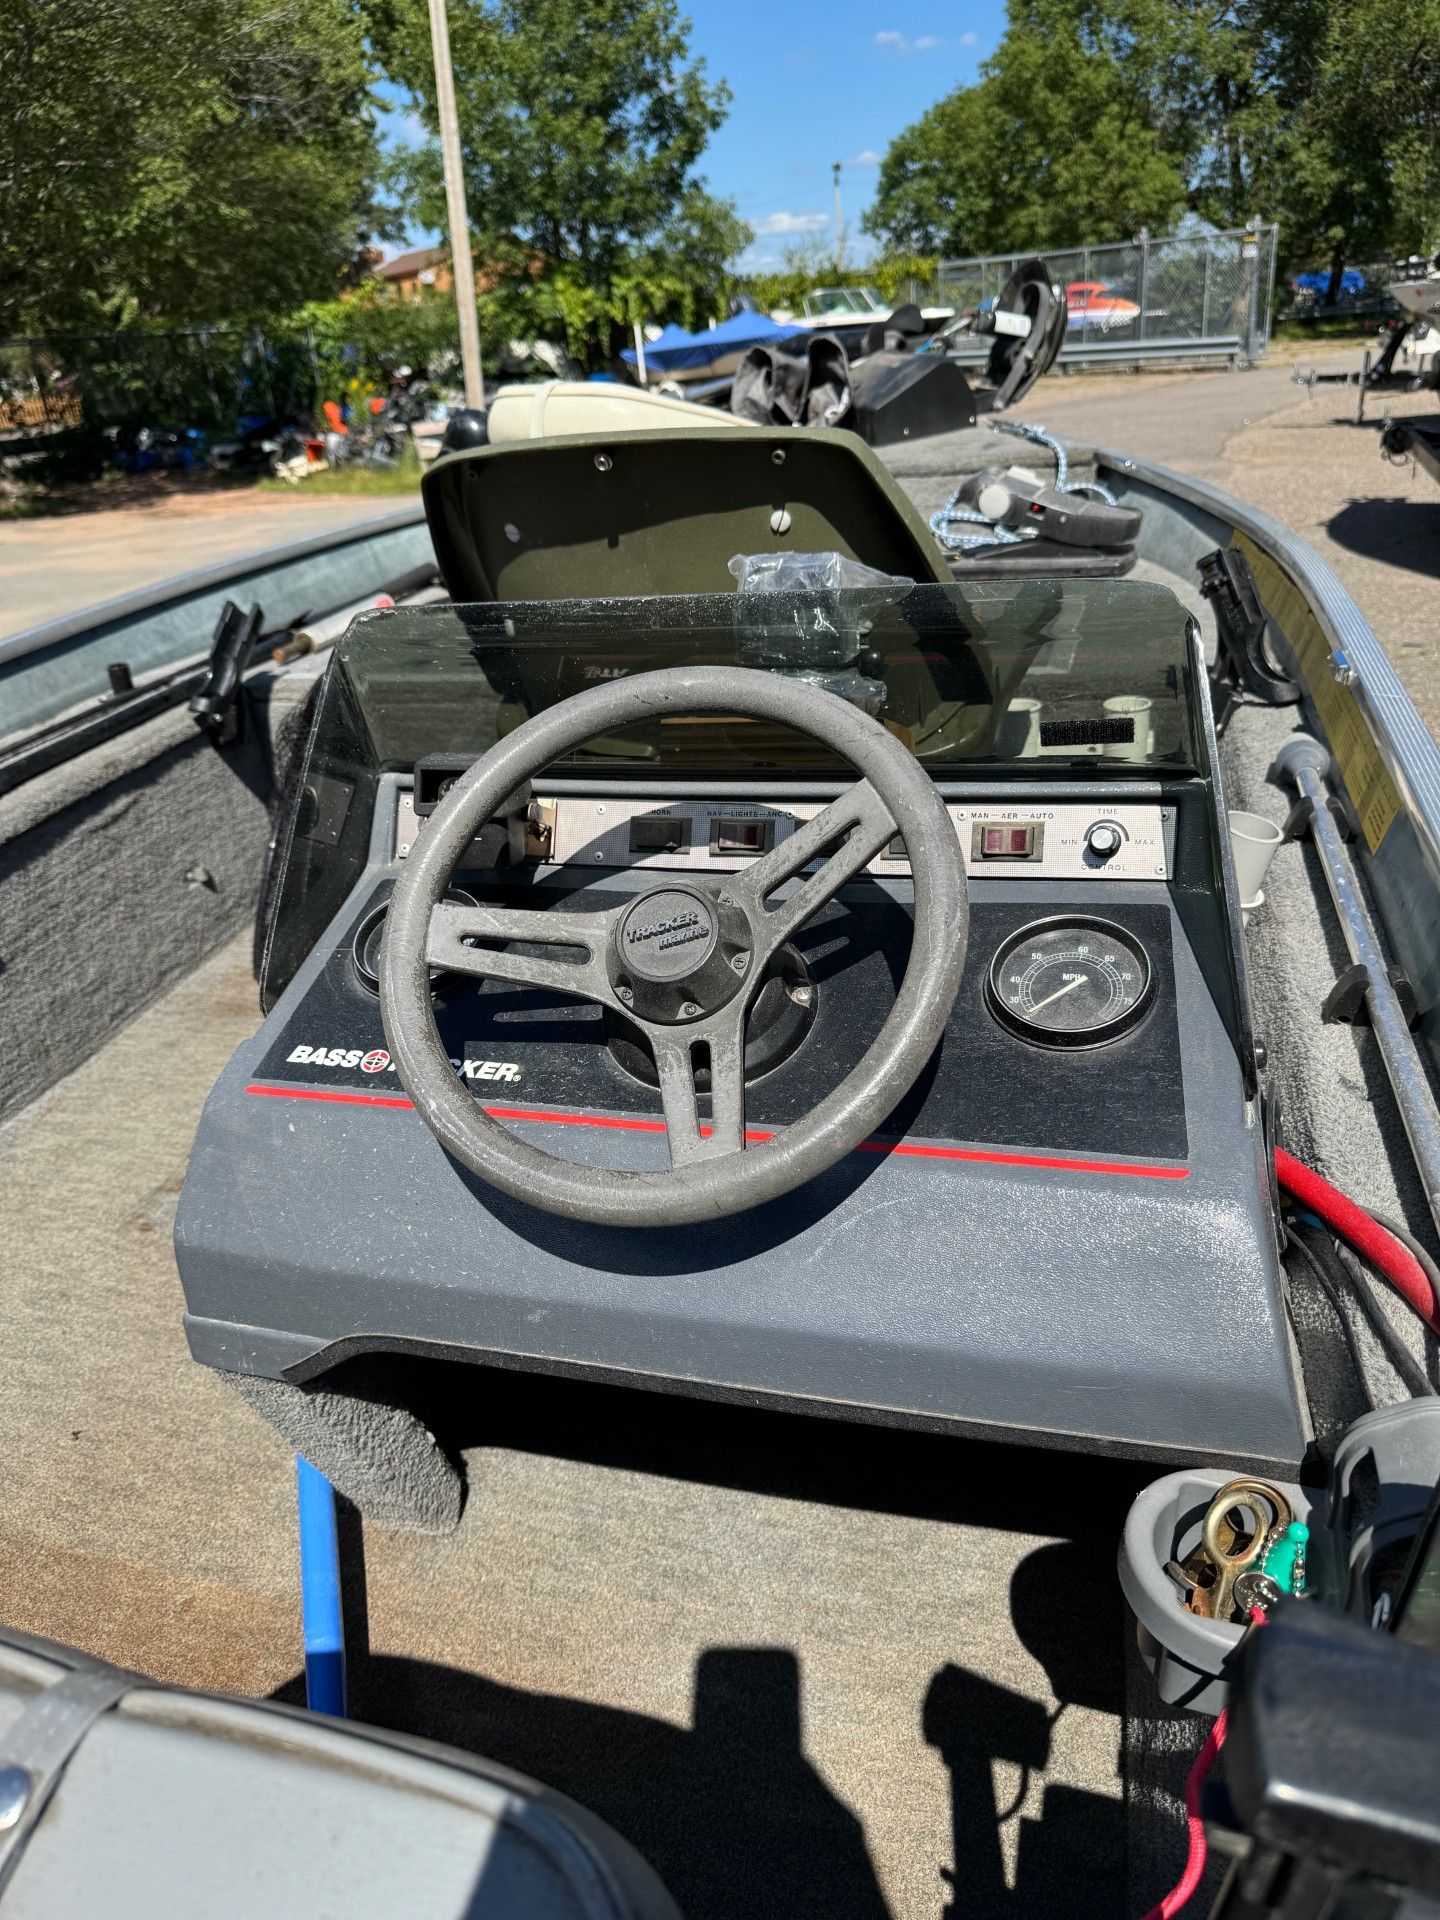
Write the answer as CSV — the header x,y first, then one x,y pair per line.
x,y
1394,1348
1407,1239
1331,1293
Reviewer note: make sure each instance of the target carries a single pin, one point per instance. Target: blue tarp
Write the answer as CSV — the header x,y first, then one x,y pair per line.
x,y
1352,283
676,349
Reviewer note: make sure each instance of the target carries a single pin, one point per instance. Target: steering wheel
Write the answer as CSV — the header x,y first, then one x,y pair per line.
x,y
682,960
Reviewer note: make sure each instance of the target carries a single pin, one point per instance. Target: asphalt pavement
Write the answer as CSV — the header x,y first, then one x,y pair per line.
x,y
1298,454
58,565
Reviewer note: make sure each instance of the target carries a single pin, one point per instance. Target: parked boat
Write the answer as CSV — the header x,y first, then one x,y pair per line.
x,y
708,354
863,995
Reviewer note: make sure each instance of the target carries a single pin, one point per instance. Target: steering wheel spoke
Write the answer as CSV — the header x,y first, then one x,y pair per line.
x,y
571,960
862,825
675,1050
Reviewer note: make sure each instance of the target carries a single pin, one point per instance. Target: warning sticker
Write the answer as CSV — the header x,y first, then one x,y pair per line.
x,y
1347,732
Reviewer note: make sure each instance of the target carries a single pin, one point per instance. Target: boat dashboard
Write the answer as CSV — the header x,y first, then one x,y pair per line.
x,y
1059,1223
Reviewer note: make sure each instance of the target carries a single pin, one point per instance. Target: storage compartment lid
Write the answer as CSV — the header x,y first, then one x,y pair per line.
x,y
663,513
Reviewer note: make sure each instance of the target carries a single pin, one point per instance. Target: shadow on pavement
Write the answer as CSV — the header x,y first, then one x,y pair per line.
x,y
1398,533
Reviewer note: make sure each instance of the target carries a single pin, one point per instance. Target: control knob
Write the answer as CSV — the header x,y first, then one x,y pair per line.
x,y
1103,839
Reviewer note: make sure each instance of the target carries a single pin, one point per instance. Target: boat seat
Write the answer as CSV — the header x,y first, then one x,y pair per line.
x,y
622,515
150,1803
554,409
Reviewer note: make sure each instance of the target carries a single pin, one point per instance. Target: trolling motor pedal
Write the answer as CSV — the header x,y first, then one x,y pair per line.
x,y
1018,499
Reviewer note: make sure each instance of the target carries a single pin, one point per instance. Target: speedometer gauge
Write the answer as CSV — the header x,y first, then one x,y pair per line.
x,y
1070,983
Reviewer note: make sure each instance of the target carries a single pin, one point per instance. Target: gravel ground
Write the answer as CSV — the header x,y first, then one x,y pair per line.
x,y
1300,456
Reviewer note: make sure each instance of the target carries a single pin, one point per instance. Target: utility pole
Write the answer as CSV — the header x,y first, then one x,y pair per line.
x,y
839,224
455,207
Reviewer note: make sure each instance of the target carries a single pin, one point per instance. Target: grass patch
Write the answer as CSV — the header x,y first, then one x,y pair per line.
x,y
355,482
1330,326
1293,345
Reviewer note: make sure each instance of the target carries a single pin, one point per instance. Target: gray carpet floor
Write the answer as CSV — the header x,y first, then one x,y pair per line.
x,y
804,1668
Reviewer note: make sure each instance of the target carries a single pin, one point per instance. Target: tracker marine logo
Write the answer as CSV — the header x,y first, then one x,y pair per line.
x,y
671,932
375,1061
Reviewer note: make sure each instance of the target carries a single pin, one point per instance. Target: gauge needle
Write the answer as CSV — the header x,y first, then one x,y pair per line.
x,y
1059,993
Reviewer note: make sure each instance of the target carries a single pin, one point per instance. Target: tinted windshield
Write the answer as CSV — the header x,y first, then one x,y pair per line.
x,y
845,300
1019,677
995,672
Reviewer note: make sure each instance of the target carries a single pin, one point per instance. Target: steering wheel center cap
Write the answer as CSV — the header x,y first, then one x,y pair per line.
x,y
668,935
678,953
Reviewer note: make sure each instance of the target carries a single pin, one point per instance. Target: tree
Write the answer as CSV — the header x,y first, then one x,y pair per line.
x,y
1057,145
1323,115
582,122
1359,168
180,162
1096,116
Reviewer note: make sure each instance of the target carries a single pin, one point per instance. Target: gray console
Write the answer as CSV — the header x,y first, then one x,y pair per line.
x,y
1046,1242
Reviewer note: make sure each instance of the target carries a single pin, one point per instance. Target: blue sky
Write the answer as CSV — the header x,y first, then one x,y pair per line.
x,y
813,86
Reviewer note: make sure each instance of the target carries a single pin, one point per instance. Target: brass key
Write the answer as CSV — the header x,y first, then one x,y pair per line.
x,y
1222,1554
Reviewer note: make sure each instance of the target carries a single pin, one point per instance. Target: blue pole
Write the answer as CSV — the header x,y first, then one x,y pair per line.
x,y
324,1622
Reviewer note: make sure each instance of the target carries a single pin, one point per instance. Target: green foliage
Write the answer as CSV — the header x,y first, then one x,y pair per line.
x,y
582,122
207,160
357,341
898,276
355,482
1057,145
1364,180
1095,117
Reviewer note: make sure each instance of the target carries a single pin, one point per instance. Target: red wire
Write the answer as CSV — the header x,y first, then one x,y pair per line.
x,y
1381,1250
1184,1888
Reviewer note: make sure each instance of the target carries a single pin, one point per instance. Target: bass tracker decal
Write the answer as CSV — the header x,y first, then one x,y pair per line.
x,y
377,1060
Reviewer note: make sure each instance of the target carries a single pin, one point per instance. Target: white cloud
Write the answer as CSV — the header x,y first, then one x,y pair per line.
x,y
793,223
869,158
969,39
902,43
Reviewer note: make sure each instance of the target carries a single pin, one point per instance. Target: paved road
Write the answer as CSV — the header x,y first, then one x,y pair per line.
x,y
54,566
1185,420
1299,456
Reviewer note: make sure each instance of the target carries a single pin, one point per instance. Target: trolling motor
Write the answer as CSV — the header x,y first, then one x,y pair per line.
x,y
1026,328
902,394
1009,517
892,390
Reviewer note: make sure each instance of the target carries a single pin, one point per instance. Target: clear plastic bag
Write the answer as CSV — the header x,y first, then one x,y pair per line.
x,y
819,629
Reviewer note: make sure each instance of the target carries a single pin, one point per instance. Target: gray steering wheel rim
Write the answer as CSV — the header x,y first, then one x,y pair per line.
x,y
712,1189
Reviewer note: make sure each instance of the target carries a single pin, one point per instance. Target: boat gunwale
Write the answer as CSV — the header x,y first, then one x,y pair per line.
x,y
1409,752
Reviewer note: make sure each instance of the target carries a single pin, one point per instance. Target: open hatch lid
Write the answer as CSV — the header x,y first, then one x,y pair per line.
x,y
663,512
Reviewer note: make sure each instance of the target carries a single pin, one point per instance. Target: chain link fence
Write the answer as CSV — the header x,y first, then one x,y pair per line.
x,y
1187,296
